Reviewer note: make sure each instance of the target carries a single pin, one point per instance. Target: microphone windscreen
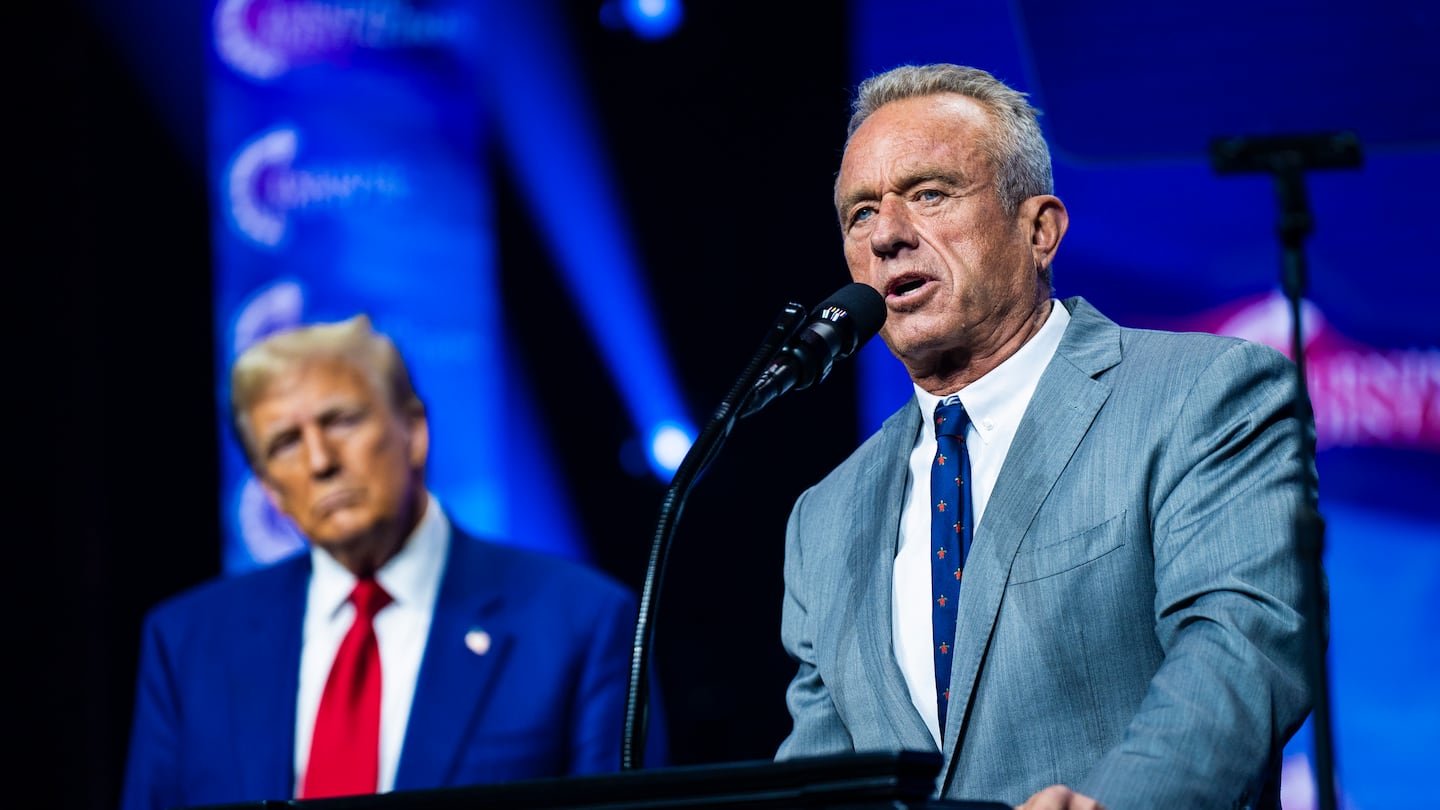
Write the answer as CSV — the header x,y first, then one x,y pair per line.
x,y
858,309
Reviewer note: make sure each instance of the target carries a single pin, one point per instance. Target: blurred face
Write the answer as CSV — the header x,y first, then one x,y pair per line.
x,y
923,225
337,460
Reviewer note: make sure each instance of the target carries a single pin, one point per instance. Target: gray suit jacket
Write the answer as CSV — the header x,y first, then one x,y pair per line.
x,y
1130,621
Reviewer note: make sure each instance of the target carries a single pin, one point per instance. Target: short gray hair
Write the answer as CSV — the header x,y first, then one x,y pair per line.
x,y
1018,154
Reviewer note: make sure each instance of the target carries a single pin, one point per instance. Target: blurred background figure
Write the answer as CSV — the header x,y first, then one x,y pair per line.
x,y
498,663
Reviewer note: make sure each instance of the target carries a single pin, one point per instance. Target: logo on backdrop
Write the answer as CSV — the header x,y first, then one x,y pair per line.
x,y
264,189
1362,396
264,39
271,308
266,534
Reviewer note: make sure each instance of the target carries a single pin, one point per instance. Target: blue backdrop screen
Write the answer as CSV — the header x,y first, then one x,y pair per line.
x,y
345,157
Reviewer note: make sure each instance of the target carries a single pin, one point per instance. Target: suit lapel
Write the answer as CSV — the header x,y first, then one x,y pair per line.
x,y
1059,414
465,646
872,557
264,676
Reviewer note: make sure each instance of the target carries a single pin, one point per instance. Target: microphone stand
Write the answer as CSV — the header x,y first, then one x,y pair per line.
x,y
706,447
1286,157
1294,225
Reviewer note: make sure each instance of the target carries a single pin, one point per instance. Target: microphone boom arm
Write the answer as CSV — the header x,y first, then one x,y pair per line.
x,y
699,457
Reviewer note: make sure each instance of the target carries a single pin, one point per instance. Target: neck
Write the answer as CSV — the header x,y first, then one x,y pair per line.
x,y
950,371
368,553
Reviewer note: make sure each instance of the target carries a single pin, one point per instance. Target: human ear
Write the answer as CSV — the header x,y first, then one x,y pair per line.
x,y
1047,219
419,439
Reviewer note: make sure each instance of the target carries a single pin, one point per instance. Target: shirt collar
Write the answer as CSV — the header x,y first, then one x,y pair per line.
x,y
411,577
993,397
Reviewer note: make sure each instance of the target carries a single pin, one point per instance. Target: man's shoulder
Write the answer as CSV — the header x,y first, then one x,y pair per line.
x,y
1185,348
522,568
895,434
227,594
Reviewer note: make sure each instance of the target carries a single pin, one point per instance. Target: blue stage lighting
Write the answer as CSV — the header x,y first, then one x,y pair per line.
x,y
668,445
648,19
545,119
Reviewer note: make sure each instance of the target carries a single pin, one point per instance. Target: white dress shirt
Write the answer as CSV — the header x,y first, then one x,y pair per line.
x,y
412,578
995,404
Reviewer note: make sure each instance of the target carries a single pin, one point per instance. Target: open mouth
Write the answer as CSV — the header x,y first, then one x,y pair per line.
x,y
905,285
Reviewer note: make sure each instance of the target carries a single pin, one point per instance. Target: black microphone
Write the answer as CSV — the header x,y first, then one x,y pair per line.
x,y
837,327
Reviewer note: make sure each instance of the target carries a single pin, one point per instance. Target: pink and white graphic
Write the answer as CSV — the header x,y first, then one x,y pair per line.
x,y
1362,396
1297,786
264,39
264,187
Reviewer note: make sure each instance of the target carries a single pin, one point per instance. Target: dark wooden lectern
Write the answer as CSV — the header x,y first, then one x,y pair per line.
x,y
896,780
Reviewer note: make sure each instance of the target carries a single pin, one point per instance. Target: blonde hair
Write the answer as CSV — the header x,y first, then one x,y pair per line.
x,y
353,342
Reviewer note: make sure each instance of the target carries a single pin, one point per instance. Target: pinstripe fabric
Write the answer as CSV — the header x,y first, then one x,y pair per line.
x,y
1129,623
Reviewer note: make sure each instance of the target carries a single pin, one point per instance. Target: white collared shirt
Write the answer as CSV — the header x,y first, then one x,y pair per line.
x,y
412,578
995,404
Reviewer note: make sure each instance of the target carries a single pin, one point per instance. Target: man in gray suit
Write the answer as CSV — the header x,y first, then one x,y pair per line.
x,y
1128,631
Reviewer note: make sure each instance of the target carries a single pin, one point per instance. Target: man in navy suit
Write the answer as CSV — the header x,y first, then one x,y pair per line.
x,y
498,664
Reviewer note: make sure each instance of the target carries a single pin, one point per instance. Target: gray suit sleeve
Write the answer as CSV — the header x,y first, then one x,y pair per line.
x,y
817,726
1232,687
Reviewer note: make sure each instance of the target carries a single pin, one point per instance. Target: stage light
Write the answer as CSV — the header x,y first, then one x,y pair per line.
x,y
648,19
547,124
669,443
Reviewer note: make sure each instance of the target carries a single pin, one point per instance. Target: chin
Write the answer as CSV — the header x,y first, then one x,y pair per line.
x,y
342,533
918,341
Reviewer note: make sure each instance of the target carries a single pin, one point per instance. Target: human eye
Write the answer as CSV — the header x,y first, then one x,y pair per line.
x,y
860,214
929,195
343,418
281,444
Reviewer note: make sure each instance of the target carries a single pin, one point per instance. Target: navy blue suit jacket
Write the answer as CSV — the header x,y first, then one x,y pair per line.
x,y
219,670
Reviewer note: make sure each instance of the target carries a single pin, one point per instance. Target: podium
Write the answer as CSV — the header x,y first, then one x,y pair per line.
x,y
902,779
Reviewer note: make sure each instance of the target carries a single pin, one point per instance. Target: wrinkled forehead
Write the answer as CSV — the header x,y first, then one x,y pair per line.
x,y
945,134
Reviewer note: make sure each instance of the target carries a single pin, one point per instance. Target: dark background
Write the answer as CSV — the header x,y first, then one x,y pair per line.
x,y
728,191
724,139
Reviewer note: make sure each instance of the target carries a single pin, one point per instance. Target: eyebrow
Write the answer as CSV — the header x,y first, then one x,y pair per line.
x,y
329,411
268,442
907,182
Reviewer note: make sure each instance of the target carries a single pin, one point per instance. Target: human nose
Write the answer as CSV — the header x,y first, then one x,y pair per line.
x,y
320,457
892,229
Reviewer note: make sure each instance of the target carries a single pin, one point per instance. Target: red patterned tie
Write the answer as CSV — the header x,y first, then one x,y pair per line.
x,y
345,749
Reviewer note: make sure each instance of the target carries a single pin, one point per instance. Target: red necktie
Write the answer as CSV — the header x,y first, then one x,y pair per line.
x,y
345,749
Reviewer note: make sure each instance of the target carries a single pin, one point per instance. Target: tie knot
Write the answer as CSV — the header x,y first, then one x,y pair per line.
x,y
369,597
950,419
